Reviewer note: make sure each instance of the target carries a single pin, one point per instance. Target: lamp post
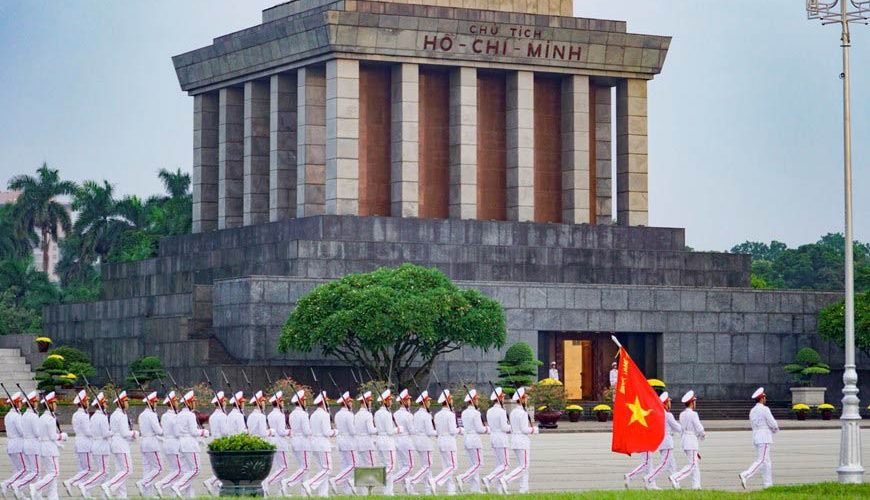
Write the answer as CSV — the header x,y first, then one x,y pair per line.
x,y
845,12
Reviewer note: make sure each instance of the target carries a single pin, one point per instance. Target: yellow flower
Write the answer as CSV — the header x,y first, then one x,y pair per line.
x,y
825,406
55,356
574,408
601,408
800,407
654,382
43,339
549,381
69,376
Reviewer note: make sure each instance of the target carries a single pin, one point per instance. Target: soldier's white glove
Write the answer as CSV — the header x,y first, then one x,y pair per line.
x,y
270,432
205,433
399,429
460,431
536,430
135,435
63,436
486,429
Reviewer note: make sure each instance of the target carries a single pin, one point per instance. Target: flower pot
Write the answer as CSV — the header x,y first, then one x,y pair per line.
x,y
827,414
241,472
548,419
602,416
812,396
574,416
801,415
43,346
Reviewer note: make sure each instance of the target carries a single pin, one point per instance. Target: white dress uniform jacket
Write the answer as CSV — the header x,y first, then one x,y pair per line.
x,y
81,424
693,431
473,426
14,432
121,433
217,424
386,430
170,441
278,424
404,441
187,431
520,429
48,436
321,430
236,423
300,428
257,424
499,427
29,430
445,427
424,430
344,429
101,433
764,426
671,427
364,429
150,431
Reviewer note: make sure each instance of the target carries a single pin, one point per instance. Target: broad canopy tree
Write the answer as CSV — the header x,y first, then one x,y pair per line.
x,y
394,322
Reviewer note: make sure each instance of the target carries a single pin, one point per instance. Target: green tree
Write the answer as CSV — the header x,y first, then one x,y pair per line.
x,y
394,322
519,368
144,370
37,209
15,319
832,323
29,288
761,251
98,225
14,243
806,366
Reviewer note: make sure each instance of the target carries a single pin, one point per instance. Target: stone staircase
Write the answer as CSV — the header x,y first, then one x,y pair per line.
x,y
15,369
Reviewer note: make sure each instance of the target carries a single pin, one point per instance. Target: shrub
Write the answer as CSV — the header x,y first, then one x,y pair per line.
x,y
240,442
483,402
75,361
519,367
286,384
145,370
602,408
808,363
548,396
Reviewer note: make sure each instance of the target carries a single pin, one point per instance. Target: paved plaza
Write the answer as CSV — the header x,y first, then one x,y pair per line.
x,y
583,461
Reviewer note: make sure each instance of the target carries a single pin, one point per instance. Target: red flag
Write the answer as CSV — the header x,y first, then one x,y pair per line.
x,y
638,414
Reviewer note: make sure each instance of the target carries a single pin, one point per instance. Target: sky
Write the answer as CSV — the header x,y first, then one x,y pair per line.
x,y
745,125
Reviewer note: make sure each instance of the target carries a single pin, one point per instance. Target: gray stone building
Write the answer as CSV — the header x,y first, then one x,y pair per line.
x,y
476,137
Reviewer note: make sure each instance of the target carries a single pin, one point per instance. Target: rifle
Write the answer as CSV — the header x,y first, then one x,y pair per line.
x,y
292,387
322,394
443,391
253,395
29,404
8,396
163,386
471,399
237,403
93,393
50,412
178,388
210,386
118,398
499,401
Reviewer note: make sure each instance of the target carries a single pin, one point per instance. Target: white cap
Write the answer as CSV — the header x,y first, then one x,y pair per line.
x,y
424,396
81,396
188,397
443,396
77,400
471,394
150,398
688,397
238,396
518,394
218,397
664,396
758,393
122,397
51,397
346,397
497,392
169,397
404,395
384,395
365,396
33,396
101,398
17,396
276,397
299,396
320,397
259,396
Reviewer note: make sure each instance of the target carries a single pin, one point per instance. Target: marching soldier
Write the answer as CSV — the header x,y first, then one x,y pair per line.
x,y
15,442
521,428
189,434
281,440
499,427
122,434
447,430
346,444
149,446
424,431
257,423
693,433
666,449
30,445
49,436
764,426
321,431
236,418
101,447
300,429
363,430
81,423
404,442
386,442
473,426
217,427
170,443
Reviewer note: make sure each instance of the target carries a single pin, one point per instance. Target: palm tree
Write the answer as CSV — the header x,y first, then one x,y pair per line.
x,y
177,184
36,209
14,243
98,225
29,287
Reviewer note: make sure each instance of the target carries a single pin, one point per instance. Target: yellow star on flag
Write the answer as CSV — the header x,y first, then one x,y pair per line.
x,y
638,414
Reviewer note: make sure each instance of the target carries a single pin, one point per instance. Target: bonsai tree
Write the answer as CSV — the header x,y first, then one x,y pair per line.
x,y
394,322
75,361
145,370
832,323
49,373
807,365
518,368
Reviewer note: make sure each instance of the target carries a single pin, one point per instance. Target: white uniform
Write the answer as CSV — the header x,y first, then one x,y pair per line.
x,y
666,451
424,431
236,423
101,449
521,444
386,445
346,444
120,446
764,426
363,430
257,425
693,434
149,446
81,424
281,440
49,437
446,429
300,433
473,426
30,449
170,449
499,427
321,431
217,428
404,444
15,447
189,435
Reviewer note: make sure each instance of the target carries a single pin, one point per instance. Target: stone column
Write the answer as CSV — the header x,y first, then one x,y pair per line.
x,y
282,147
311,141
231,135
256,182
342,137
520,129
405,171
205,162
575,150
463,143
603,155
631,153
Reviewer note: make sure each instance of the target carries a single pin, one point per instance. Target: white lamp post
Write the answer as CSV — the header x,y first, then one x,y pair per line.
x,y
845,12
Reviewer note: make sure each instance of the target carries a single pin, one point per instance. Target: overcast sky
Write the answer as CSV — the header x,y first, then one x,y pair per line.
x,y
745,120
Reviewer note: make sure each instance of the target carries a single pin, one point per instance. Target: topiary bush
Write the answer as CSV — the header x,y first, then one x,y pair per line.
x,y
807,364
75,361
145,370
519,367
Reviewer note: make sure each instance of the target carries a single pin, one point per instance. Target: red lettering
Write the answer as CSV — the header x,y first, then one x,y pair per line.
x,y
429,44
572,52
537,33
534,50
559,51
446,44
472,29
492,47
475,46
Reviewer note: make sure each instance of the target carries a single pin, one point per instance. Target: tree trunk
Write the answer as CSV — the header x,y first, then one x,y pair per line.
x,y
45,251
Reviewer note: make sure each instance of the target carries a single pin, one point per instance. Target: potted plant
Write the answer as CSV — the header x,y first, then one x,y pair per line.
x,y
548,399
807,364
602,412
574,412
657,385
42,343
801,411
241,462
826,410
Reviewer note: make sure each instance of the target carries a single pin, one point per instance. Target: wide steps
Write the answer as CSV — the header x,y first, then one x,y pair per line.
x,y
14,369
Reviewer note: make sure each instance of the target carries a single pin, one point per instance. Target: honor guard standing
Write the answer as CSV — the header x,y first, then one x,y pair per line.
x,y
300,429
149,445
217,428
424,431
386,441
521,428
281,440
49,436
363,430
101,447
189,434
321,448
14,442
473,426
170,443
30,445
122,435
666,449
257,423
236,418
404,442
346,444
499,427
447,430
81,424
693,434
764,426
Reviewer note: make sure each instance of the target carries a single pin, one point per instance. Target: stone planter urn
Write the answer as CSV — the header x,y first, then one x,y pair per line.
x,y
801,415
548,419
602,416
43,346
811,396
574,416
241,472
